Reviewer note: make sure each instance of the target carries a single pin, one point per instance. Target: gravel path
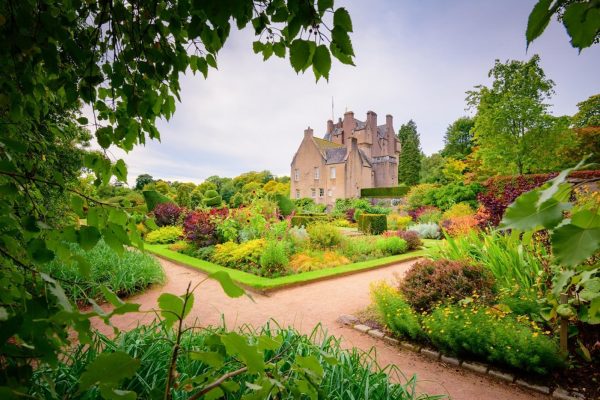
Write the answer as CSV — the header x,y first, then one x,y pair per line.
x,y
322,302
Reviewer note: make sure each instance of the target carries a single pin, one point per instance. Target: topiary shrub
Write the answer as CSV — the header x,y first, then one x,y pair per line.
x,y
412,238
165,235
284,204
167,214
212,198
154,198
391,245
237,200
373,224
307,219
323,235
428,283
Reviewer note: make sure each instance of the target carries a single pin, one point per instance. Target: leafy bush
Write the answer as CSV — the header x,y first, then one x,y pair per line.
x,y
204,253
493,336
125,274
274,259
200,228
360,249
429,282
167,214
341,223
239,256
426,231
396,191
154,198
460,226
419,211
458,210
237,200
374,224
430,216
399,317
307,219
212,198
323,235
304,262
228,230
391,245
181,247
446,196
417,194
410,237
285,205
254,227
350,215
165,235
396,221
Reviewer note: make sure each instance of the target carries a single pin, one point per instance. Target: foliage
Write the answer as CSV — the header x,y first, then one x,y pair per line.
x,y
239,256
427,215
164,235
409,161
167,214
124,274
372,224
199,227
396,221
458,139
432,169
360,249
228,230
391,245
513,261
426,231
580,19
396,191
417,194
183,195
493,336
154,198
274,259
304,262
284,204
588,113
460,226
323,235
343,372
306,220
412,239
205,253
446,196
454,169
512,126
142,180
237,200
181,246
428,283
212,199
458,210
398,315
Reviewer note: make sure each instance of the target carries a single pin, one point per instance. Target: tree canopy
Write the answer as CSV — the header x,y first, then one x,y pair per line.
x,y
458,139
409,163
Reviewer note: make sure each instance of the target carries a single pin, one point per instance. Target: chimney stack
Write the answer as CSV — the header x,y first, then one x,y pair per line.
x,y
352,144
388,121
308,133
329,126
372,121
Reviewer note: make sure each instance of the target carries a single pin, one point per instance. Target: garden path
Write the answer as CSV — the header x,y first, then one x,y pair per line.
x,y
321,302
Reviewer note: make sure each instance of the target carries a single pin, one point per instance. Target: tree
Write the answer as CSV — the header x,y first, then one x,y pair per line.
x,y
142,180
121,59
432,168
458,139
184,194
409,163
511,122
586,124
588,113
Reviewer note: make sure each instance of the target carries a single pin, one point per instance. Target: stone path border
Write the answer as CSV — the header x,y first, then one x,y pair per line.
x,y
481,368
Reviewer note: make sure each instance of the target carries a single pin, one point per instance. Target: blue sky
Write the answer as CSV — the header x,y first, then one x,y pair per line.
x,y
415,60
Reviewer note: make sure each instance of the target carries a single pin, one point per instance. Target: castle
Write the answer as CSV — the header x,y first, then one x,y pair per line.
x,y
352,155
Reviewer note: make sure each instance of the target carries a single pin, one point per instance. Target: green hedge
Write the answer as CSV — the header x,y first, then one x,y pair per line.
x,y
154,198
395,191
374,224
306,219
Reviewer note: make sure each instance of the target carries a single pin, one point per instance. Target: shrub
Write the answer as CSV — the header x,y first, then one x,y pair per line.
x,y
153,198
164,235
323,235
374,224
239,256
416,196
396,191
228,230
200,228
418,212
304,262
429,282
274,260
399,317
426,231
396,221
307,219
430,216
125,274
458,210
180,246
411,237
204,253
341,223
360,249
459,226
493,336
285,205
212,198
350,215
237,200
167,214
391,245
446,196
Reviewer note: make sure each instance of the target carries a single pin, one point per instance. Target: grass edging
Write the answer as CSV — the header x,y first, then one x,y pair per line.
x,y
263,284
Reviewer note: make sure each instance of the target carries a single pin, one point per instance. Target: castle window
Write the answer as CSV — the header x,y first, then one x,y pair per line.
x,y
313,192
296,175
317,173
321,192
332,173
297,193
329,192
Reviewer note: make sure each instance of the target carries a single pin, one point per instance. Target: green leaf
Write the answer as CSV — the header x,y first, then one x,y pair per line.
x,y
324,5
171,307
77,205
524,214
210,358
311,365
230,288
82,120
120,170
538,20
582,21
572,245
108,370
342,43
586,219
279,49
591,289
39,252
562,281
565,311
110,296
104,136
236,344
322,61
341,18
88,237
300,55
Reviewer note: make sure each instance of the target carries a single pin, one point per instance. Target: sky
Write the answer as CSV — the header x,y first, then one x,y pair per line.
x,y
414,60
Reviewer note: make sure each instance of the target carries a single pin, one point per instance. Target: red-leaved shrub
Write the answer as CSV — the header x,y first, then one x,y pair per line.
x,y
460,225
200,227
418,212
167,214
412,238
429,283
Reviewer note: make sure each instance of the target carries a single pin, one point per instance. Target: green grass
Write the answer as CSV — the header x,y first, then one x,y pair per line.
x,y
265,284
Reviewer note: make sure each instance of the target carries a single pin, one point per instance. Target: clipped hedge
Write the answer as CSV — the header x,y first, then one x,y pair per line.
x,y
307,219
154,198
395,191
374,224
212,198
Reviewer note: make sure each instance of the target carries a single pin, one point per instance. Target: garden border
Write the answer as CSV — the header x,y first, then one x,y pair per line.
x,y
263,285
477,367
